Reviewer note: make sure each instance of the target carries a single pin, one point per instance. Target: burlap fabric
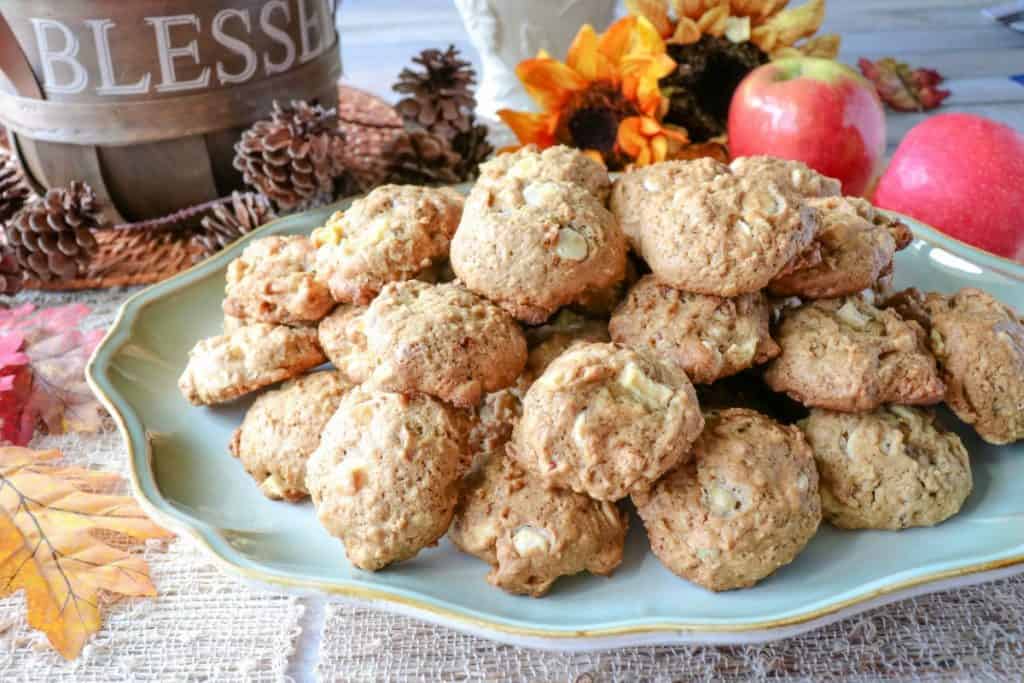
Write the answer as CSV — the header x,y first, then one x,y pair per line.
x,y
206,626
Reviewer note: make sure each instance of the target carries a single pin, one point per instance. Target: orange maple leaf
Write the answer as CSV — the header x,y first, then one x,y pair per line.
x,y
49,545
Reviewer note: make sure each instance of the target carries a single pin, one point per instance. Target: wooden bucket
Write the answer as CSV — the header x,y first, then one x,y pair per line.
x,y
145,99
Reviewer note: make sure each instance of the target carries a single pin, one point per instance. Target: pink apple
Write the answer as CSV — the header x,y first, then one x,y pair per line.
x,y
814,110
964,175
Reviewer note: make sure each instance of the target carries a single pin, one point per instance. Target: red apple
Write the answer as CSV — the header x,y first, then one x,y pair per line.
x,y
814,110
964,175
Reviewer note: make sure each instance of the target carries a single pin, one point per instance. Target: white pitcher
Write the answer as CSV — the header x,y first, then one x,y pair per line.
x,y
505,32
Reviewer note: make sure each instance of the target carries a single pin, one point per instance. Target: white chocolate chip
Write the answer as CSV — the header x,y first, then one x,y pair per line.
x,y
273,487
646,390
802,482
849,314
524,168
571,245
860,442
577,429
651,186
529,540
721,501
742,353
538,194
737,29
938,344
744,227
797,176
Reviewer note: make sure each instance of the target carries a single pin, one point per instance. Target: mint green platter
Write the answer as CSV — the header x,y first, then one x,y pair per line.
x,y
184,477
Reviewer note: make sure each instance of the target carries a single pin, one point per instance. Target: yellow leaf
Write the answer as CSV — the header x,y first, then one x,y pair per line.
x,y
49,547
656,12
795,23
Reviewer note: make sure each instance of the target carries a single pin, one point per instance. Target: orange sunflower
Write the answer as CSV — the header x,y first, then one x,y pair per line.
x,y
606,81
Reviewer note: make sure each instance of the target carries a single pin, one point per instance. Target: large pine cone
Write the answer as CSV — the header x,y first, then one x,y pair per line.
x,y
52,237
294,156
230,220
440,96
421,158
14,191
473,148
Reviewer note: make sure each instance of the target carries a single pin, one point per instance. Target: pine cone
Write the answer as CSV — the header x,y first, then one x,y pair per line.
x,y
473,148
293,156
14,191
52,237
11,279
421,158
440,96
230,220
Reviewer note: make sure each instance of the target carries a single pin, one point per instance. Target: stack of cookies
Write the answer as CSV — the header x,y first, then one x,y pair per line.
x,y
718,344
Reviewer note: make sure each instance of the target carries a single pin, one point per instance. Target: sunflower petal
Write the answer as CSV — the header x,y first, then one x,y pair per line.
x,y
655,11
615,42
825,46
713,21
629,138
686,32
798,22
646,38
549,82
659,147
585,59
530,128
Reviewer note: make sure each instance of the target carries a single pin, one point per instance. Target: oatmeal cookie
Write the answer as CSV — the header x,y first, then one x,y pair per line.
x,y
636,193
746,505
534,257
979,344
529,164
707,336
855,249
606,421
384,478
893,468
531,534
796,176
500,410
441,340
281,429
391,234
846,354
342,336
225,367
273,281
728,236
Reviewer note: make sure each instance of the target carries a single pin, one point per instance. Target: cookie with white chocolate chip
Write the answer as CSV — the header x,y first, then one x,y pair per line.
x,y
709,337
730,235
606,421
441,340
638,193
391,234
530,164
893,468
385,476
746,505
535,255
532,534
248,358
846,354
282,428
273,281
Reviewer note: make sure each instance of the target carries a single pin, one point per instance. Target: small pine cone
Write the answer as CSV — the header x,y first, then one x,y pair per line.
x,y
294,156
473,148
11,279
440,97
420,158
52,237
14,191
230,220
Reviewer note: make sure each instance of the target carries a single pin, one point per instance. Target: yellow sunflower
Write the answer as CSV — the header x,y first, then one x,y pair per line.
x,y
605,80
769,24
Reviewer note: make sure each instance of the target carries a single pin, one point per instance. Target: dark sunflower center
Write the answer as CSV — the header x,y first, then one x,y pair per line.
x,y
706,76
592,118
